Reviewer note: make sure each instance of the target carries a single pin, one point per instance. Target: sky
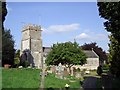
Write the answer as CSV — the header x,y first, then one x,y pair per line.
x,y
60,22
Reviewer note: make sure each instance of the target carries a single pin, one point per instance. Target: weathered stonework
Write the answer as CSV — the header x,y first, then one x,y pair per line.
x,y
31,39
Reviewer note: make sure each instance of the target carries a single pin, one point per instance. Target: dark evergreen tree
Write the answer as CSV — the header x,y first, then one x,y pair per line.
x,y
4,13
8,50
111,12
7,41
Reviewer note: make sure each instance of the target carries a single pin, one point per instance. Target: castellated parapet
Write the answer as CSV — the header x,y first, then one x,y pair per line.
x,y
31,39
32,27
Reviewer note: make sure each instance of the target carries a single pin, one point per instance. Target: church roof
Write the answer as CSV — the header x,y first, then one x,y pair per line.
x,y
46,49
89,53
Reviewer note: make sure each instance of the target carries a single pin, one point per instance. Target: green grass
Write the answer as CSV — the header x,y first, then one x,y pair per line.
x,y
20,78
52,82
30,78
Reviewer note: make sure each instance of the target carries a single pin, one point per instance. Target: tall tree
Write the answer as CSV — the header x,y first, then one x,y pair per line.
x,y
7,41
66,53
114,56
4,13
111,12
8,50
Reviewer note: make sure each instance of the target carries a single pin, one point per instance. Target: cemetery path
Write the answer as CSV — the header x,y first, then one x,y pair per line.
x,y
89,82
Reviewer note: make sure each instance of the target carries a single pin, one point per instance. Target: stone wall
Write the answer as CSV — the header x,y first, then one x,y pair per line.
x,y
31,39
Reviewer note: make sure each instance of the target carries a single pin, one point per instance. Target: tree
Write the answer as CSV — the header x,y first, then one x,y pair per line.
x,y
67,53
98,50
4,13
17,58
8,50
110,12
114,56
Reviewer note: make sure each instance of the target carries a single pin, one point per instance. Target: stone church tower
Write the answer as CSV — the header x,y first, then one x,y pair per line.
x,y
31,39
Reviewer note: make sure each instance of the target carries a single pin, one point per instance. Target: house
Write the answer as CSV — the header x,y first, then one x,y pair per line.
x,y
92,59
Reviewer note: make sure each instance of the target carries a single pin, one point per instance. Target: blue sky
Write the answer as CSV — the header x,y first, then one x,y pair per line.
x,y
60,22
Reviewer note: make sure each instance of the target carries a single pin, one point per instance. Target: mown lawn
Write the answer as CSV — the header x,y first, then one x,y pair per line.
x,y
20,78
52,82
30,78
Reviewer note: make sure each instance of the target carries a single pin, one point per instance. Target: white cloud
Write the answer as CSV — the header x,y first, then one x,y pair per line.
x,y
62,28
92,37
100,37
82,36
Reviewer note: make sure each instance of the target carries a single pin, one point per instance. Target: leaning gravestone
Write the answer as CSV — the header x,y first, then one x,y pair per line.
x,y
53,69
66,73
60,71
78,75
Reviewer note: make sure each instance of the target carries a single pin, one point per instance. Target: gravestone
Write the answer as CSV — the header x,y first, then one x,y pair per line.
x,y
60,71
53,69
66,73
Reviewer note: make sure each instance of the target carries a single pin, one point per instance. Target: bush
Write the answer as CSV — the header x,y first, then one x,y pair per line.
x,y
106,67
16,62
25,64
99,70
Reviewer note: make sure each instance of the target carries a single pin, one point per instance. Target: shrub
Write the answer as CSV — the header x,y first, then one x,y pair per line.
x,y
16,62
106,67
25,64
99,70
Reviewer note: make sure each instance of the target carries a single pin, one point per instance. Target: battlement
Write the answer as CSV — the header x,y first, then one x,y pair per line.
x,y
31,40
31,27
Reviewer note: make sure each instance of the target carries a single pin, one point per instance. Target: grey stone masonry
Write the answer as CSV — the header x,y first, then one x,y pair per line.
x,y
31,39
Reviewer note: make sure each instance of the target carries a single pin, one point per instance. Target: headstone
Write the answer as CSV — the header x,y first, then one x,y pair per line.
x,y
66,73
53,69
60,71
74,71
78,75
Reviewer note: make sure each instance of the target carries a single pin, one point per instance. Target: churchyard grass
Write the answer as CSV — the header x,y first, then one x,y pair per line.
x,y
52,82
20,78
30,78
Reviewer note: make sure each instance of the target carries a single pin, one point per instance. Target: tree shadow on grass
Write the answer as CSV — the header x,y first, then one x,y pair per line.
x,y
102,83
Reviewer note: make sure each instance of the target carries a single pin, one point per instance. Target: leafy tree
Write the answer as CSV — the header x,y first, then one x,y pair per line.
x,y
17,58
114,56
98,50
67,53
8,50
111,12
